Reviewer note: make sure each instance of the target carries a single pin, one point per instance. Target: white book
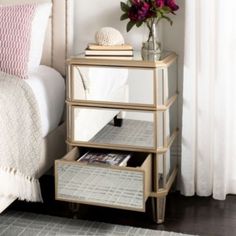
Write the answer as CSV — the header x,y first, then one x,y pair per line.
x,y
108,158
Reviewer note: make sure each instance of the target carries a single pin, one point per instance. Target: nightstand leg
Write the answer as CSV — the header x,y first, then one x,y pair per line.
x,y
158,203
161,206
158,209
74,208
118,121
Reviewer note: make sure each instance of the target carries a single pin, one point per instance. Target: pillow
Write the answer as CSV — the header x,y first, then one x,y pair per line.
x,y
39,26
22,31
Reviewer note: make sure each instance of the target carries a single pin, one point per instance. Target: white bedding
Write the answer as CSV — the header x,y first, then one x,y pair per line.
x,y
21,145
54,148
49,89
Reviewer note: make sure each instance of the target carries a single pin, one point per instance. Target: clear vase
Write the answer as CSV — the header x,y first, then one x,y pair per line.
x,y
151,49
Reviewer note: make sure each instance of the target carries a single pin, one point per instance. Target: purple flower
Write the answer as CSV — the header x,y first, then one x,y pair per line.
x,y
139,11
172,5
160,3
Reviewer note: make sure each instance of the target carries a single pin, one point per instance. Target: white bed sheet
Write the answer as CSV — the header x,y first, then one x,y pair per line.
x,y
49,89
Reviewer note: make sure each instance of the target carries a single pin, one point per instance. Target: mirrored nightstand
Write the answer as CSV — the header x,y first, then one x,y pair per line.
x,y
128,105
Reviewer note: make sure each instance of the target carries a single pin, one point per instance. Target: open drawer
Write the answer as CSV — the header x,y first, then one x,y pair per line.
x,y
111,186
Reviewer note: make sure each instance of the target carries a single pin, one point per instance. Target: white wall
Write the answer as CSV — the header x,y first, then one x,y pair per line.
x,y
90,16
173,39
173,36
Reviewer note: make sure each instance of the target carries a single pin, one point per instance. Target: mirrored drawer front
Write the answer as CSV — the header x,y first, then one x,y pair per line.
x,y
112,85
117,187
120,128
117,128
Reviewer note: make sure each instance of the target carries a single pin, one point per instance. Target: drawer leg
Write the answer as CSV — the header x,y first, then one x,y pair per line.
x,y
161,207
74,208
118,121
158,209
158,202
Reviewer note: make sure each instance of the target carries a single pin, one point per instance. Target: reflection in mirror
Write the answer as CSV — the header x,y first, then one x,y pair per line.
x,y
171,119
172,159
111,84
167,163
161,172
131,128
171,80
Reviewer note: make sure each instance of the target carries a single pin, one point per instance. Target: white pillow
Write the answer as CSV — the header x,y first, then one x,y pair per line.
x,y
39,26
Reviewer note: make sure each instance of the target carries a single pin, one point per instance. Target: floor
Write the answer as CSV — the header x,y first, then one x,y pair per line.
x,y
192,215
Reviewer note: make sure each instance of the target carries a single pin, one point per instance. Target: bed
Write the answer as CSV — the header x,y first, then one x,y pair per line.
x,y
49,77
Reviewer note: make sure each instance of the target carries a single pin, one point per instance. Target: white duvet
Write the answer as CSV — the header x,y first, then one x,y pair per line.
x,y
49,89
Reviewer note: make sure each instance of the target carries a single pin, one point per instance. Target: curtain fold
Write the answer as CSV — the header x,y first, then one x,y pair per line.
x,y
208,163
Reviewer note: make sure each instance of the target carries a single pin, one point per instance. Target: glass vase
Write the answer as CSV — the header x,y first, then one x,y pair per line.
x,y
151,49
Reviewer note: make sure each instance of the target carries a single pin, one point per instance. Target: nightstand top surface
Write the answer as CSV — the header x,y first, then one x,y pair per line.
x,y
152,61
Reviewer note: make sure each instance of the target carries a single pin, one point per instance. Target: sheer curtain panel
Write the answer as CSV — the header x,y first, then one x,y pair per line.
x,y
208,163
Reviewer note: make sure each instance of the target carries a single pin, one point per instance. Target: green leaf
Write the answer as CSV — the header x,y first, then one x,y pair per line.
x,y
130,25
124,7
166,9
124,16
159,14
139,23
168,19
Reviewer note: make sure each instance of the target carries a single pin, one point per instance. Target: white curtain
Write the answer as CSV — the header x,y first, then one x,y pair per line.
x,y
208,163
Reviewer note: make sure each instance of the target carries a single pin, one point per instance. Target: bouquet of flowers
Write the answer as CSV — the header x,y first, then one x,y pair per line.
x,y
147,11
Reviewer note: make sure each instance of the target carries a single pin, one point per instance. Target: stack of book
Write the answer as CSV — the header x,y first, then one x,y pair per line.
x,y
107,158
124,51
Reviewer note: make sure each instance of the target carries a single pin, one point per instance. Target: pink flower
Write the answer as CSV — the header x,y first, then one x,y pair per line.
x,y
136,2
172,5
160,3
147,11
139,11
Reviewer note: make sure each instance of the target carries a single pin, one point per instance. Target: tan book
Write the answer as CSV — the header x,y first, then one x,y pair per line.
x,y
108,52
110,57
93,46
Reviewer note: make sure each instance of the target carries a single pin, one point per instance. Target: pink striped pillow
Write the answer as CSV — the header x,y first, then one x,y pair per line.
x,y
15,37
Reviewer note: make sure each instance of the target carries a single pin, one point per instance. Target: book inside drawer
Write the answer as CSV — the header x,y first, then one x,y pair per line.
x,y
111,186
